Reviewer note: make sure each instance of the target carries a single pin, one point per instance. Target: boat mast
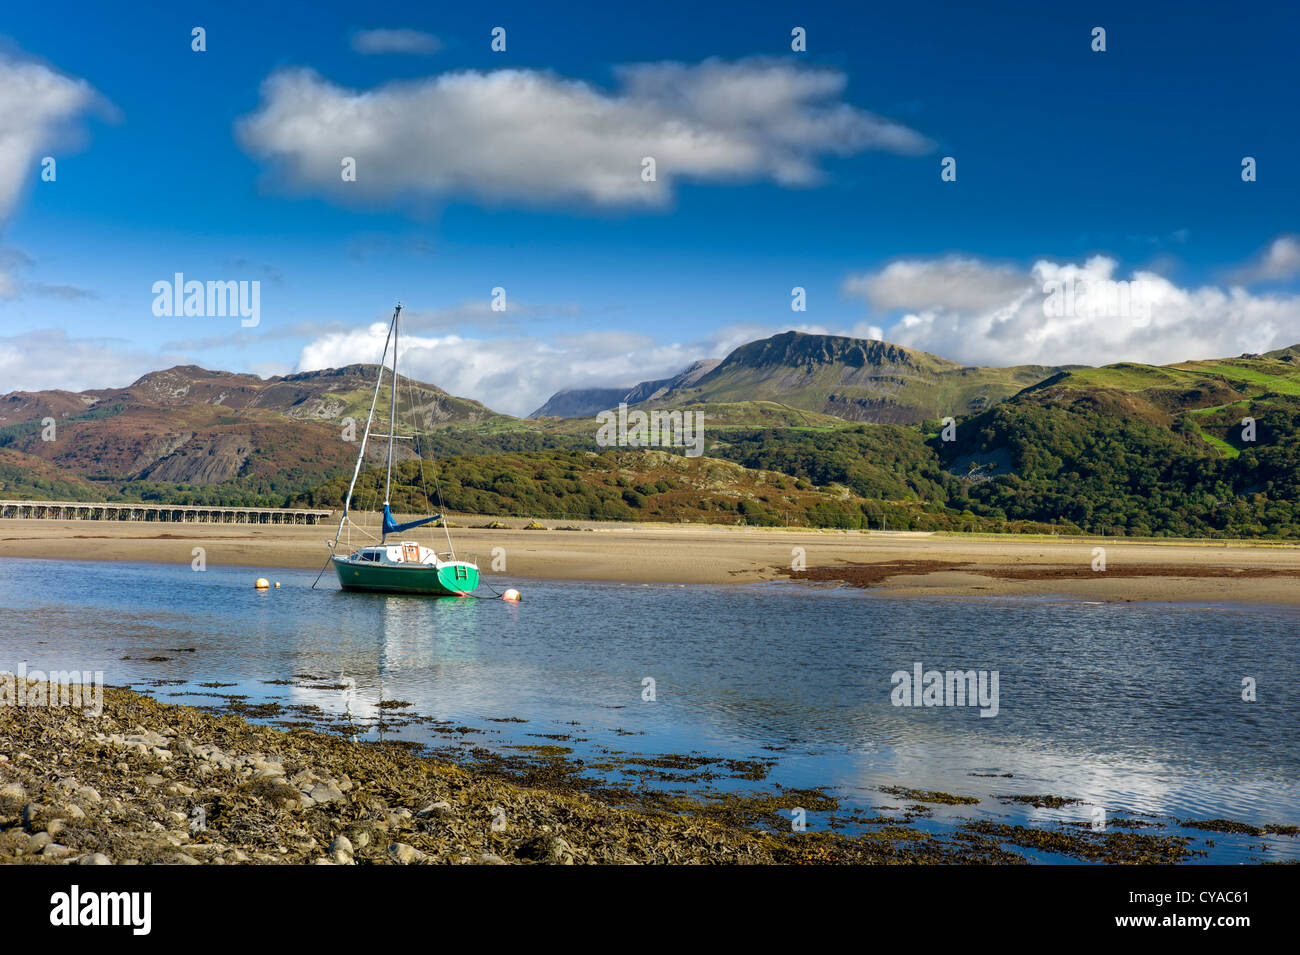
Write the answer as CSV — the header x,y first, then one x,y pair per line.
x,y
392,416
365,438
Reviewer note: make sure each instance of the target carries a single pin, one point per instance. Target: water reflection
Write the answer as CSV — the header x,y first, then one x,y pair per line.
x,y
1136,708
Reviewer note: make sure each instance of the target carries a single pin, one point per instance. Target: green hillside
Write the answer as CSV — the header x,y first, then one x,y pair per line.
x,y
854,379
1133,450
638,486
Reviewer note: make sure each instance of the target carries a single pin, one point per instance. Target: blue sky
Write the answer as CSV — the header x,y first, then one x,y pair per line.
x,y
218,164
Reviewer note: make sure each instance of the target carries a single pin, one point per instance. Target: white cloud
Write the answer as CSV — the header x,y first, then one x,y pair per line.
x,y
37,109
401,40
1278,262
534,137
962,316
866,330
516,375
36,106
950,282
49,358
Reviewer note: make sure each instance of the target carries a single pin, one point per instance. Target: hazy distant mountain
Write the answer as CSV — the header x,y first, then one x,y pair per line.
x,y
580,402
585,402
652,390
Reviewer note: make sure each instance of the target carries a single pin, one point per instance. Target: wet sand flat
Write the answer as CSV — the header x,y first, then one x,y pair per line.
x,y
896,563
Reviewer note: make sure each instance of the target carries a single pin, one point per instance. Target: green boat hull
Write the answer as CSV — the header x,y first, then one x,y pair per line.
x,y
451,579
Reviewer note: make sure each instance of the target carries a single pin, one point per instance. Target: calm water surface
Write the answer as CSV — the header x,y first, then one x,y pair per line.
x,y
1132,707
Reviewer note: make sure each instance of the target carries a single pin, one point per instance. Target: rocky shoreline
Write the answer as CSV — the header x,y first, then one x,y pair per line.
x,y
149,782
146,782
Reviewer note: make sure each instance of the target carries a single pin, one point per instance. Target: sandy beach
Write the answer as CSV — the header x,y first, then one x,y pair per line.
x,y
897,563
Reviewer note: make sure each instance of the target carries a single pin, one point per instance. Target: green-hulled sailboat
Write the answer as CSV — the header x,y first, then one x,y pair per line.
x,y
406,567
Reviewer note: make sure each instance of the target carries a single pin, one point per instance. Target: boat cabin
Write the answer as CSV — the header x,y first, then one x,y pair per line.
x,y
407,552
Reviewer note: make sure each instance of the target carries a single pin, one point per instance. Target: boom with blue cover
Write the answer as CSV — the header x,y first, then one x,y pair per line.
x,y
392,527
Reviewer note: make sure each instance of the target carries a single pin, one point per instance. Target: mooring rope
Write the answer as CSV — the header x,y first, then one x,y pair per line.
x,y
322,568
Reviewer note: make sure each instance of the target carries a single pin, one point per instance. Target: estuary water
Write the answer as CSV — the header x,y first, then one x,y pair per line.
x,y
1132,709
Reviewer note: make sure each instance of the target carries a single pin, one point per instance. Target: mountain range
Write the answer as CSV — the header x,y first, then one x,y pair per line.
x,y
189,425
1193,447
849,378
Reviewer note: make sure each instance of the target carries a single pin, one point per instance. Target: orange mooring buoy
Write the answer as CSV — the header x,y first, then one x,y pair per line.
x,y
510,594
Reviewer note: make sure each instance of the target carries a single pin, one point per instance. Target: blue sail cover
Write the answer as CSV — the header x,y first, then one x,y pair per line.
x,y
392,527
